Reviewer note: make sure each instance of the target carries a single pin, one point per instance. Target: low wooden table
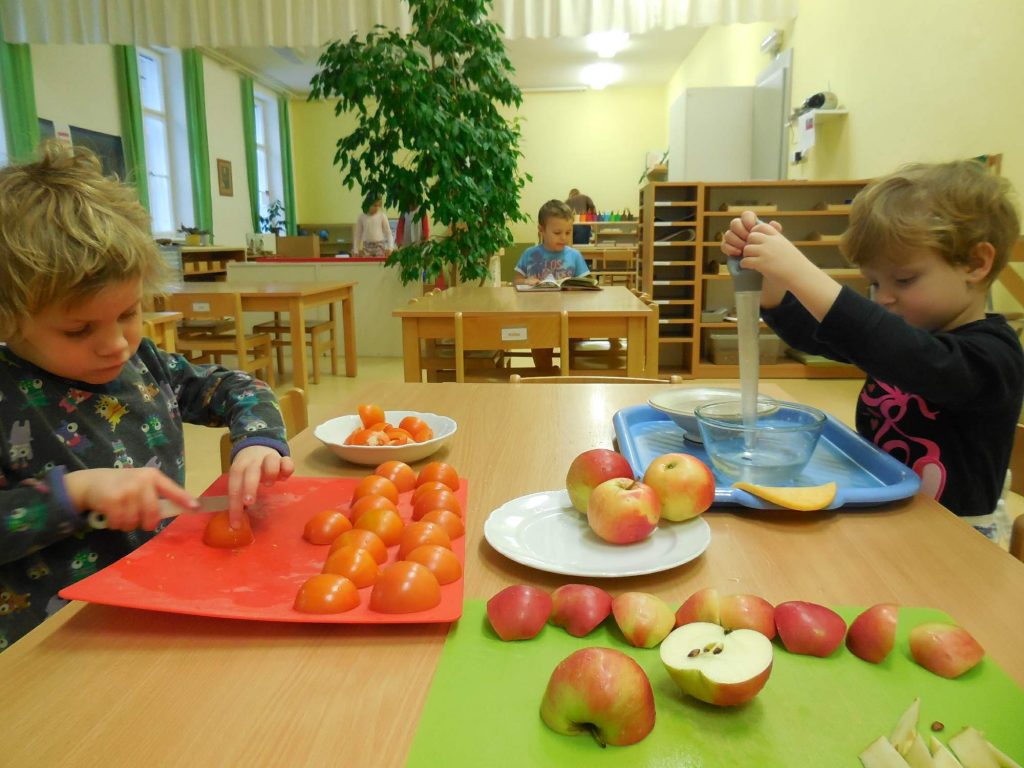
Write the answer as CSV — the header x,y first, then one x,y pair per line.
x,y
524,320
97,685
295,299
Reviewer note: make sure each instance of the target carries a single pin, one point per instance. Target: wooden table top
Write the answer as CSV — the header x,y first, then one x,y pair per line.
x,y
487,300
201,691
250,288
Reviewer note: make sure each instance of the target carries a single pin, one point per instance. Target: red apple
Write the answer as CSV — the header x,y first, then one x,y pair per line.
x,y
589,470
579,608
716,666
684,484
872,634
519,612
747,612
602,692
645,619
702,605
623,510
809,628
945,649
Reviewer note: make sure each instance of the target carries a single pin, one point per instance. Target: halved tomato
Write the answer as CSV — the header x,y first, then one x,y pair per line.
x,y
386,523
448,520
327,593
375,485
219,532
423,434
399,473
367,436
405,587
366,503
430,485
359,537
419,533
412,423
398,436
432,500
325,526
441,472
440,561
353,563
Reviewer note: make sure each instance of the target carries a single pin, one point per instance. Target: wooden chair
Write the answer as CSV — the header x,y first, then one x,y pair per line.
x,y
437,357
252,350
610,354
475,332
161,328
1017,538
615,266
294,412
515,378
319,332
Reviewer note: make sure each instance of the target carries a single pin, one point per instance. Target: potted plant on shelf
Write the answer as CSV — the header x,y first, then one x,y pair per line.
x,y
271,225
429,132
195,235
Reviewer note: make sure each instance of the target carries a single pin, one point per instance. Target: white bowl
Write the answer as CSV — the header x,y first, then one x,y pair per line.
x,y
333,433
679,403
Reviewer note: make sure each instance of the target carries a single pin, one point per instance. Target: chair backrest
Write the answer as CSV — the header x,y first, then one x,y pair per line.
x,y
207,306
294,413
1017,538
487,332
515,378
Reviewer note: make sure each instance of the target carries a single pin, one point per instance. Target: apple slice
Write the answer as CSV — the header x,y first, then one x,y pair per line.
x,y
881,754
972,749
716,666
873,633
645,619
579,608
809,628
1004,760
903,732
941,756
945,649
702,605
803,499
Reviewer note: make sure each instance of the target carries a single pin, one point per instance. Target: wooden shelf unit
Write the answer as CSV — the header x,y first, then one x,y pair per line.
x,y
683,269
202,263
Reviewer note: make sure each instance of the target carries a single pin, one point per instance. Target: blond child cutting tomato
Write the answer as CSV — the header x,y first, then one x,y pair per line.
x,y
945,379
90,412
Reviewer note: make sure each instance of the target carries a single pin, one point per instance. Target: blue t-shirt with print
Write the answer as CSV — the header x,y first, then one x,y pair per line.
x,y
541,263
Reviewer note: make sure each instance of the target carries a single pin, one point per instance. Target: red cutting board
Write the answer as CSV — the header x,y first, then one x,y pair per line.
x,y
483,706
177,573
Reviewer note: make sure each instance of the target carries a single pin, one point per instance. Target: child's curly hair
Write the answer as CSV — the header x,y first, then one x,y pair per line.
x,y
945,207
67,232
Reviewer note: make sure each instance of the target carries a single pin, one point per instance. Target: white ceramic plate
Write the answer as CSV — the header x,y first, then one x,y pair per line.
x,y
333,433
543,531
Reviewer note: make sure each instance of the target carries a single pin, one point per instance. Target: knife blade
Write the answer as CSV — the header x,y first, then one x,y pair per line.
x,y
169,509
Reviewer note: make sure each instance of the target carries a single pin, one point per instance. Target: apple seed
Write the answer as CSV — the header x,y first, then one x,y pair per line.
x,y
937,726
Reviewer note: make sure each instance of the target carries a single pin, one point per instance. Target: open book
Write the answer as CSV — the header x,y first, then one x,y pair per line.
x,y
584,283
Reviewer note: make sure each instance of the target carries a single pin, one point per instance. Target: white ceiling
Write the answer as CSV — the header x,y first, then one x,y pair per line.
x,y
553,63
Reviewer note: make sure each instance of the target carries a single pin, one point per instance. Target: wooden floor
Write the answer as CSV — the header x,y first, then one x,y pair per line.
x,y
331,397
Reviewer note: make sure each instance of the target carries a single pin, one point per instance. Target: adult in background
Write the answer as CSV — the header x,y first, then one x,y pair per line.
x,y
580,204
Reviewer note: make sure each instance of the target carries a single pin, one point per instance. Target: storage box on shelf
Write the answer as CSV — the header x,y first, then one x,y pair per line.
x,y
682,266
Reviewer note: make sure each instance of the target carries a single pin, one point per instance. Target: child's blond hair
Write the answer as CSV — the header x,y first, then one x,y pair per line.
x,y
554,209
945,207
67,232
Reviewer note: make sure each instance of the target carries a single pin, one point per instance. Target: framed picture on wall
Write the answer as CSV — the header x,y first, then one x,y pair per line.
x,y
224,185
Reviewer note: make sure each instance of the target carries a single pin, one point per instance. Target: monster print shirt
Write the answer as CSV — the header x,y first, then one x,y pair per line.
x,y
50,426
944,403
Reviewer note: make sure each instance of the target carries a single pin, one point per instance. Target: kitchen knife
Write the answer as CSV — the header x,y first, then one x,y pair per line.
x,y
169,509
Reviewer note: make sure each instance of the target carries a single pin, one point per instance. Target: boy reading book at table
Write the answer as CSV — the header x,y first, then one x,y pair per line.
x,y
551,259
945,379
90,412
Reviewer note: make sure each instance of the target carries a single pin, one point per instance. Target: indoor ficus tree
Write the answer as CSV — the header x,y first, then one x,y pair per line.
x,y
429,131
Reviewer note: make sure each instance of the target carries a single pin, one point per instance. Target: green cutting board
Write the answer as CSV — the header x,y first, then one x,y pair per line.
x,y
483,705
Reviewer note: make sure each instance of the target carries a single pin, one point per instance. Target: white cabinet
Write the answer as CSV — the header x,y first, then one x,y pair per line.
x,y
710,134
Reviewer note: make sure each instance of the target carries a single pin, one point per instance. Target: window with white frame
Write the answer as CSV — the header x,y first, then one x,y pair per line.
x,y
165,135
269,179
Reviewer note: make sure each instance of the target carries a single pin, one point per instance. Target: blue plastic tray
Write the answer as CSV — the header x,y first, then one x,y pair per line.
x,y
864,474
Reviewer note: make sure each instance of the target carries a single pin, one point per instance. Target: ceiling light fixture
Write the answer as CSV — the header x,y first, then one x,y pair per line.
x,y
600,75
607,44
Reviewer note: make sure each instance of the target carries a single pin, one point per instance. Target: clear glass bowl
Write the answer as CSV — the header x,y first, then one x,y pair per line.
x,y
771,451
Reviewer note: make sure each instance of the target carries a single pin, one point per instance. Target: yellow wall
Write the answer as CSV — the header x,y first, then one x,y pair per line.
x,y
231,214
593,140
76,85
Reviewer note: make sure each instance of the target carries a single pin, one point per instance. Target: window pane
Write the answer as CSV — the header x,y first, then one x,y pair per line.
x,y
160,203
262,176
155,136
151,83
260,132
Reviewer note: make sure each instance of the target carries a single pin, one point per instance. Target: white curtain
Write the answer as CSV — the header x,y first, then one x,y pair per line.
x,y
310,23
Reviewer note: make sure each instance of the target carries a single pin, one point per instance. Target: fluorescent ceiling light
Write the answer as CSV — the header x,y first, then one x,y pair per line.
x,y
607,44
599,75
